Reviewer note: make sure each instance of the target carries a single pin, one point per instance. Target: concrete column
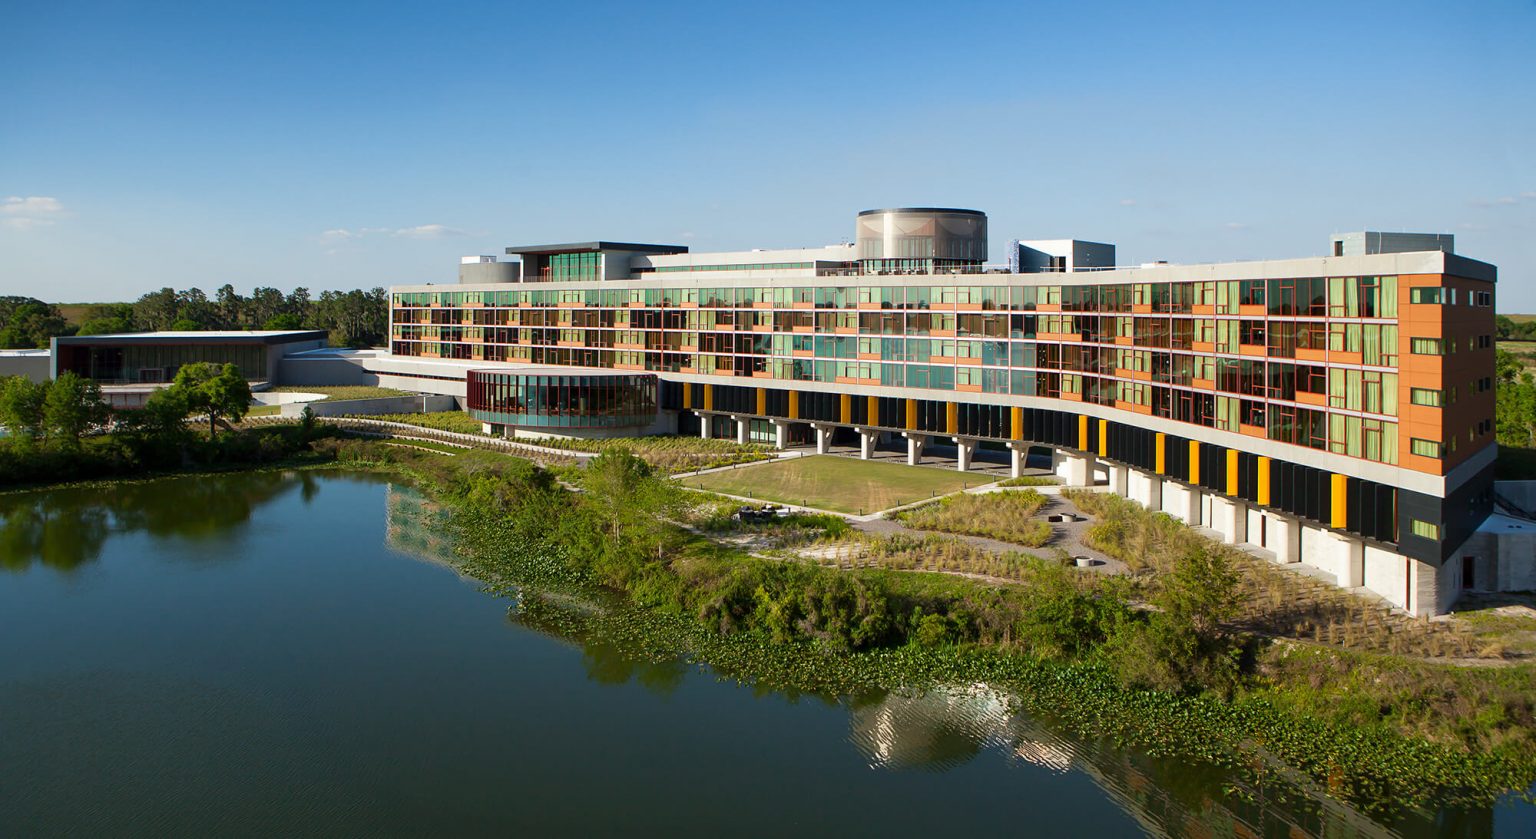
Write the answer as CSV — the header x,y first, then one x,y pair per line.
x,y
1229,517
487,429
1181,502
703,425
1145,489
964,449
1079,469
823,437
780,433
1017,455
1430,595
1282,534
743,430
915,445
867,441
1347,555
1119,480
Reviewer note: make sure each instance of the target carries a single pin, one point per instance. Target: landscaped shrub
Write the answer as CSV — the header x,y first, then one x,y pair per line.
x,y
997,515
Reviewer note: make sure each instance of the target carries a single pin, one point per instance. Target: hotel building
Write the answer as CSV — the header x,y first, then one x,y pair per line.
x,y
1334,410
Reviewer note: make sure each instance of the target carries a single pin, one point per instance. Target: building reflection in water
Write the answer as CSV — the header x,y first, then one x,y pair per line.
x,y
415,526
946,727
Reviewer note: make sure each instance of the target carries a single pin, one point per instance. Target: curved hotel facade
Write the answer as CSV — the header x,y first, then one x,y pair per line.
x,y
1335,410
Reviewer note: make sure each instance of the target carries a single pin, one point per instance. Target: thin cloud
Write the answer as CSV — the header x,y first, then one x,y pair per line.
x,y
420,231
1237,225
1127,202
428,231
32,211
1503,200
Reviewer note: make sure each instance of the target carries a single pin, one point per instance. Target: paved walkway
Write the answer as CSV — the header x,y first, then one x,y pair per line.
x,y
406,431
1065,535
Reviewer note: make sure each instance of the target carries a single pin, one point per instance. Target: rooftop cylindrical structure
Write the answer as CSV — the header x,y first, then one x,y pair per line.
x,y
915,238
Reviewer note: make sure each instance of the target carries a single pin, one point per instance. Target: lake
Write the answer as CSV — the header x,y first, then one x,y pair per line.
x,y
293,653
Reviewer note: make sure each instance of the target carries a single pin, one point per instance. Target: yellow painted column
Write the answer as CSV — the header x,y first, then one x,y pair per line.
x,y
845,403
1161,462
762,402
1232,483
1194,461
1082,432
1017,423
794,404
1340,498
1103,438
873,411
687,394
1263,493
911,414
952,417
709,397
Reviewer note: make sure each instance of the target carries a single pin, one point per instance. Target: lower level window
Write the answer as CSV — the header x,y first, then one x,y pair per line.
x,y
1425,529
1427,396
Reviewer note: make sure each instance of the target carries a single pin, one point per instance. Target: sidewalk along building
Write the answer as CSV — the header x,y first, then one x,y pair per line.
x,y
1335,410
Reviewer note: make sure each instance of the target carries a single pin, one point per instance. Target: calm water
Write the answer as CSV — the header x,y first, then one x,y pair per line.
x,y
288,654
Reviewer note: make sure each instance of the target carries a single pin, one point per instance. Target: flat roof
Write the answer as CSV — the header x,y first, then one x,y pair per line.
x,y
923,210
596,247
224,336
1415,262
1500,523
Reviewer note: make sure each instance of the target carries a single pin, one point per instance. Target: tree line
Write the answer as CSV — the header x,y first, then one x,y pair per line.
x,y
1508,330
53,430
354,318
57,414
1515,397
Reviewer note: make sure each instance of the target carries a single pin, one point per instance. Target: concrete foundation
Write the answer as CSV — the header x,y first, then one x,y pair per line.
x,y
823,437
1282,534
1017,454
1230,519
1119,480
1345,558
1182,502
780,434
867,440
1387,574
964,451
1076,470
1145,489
915,445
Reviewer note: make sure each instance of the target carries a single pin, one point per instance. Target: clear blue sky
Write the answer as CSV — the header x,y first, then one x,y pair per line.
x,y
337,145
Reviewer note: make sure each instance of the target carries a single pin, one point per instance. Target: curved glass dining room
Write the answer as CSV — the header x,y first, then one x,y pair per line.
x,y
621,400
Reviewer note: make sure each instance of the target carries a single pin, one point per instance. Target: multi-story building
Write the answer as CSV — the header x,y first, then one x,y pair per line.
x,y
1335,410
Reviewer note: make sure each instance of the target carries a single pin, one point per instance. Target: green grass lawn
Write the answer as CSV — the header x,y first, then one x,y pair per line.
x,y
343,392
840,484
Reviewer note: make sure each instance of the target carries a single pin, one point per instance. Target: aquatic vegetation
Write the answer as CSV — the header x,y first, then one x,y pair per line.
x,y
1074,649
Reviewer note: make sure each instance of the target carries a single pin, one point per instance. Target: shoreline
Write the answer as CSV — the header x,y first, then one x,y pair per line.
x,y
1373,766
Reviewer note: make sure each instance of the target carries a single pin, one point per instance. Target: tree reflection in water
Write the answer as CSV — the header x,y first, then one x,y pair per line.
x,y
948,726
66,528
